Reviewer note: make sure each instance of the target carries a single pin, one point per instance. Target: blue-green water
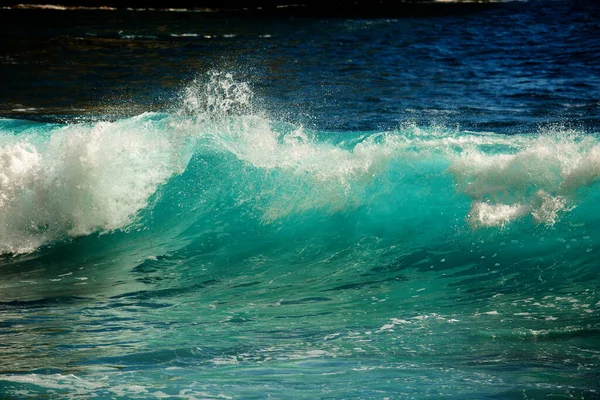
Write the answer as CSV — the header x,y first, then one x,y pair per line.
x,y
231,244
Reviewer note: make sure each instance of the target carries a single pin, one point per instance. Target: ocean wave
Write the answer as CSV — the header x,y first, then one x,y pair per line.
x,y
77,179
67,180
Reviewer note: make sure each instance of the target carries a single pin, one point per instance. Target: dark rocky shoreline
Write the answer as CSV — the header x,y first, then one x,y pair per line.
x,y
342,8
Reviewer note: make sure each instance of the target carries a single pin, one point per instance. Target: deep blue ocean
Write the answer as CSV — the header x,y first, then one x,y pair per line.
x,y
198,205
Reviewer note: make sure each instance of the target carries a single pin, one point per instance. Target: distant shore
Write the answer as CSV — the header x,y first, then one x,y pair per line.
x,y
276,8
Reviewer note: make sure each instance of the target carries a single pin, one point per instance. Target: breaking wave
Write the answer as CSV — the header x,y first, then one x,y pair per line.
x,y
60,181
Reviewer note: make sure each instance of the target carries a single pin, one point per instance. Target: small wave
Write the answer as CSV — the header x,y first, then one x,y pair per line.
x,y
185,35
56,7
59,7
129,36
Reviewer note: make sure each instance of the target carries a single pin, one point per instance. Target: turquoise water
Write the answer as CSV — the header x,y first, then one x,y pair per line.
x,y
214,252
205,205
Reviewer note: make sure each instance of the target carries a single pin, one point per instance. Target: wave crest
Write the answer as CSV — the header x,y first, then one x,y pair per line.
x,y
75,180
60,181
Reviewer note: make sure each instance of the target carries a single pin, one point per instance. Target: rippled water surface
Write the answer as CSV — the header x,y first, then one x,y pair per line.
x,y
205,205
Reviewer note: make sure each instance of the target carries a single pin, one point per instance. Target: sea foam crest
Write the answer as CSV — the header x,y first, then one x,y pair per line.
x,y
59,181
314,174
72,180
78,179
537,175
505,177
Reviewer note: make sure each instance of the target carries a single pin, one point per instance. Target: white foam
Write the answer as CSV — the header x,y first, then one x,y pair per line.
x,y
185,35
534,175
80,179
484,214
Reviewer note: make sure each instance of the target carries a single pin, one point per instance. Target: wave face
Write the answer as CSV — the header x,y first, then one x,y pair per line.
x,y
62,181
421,256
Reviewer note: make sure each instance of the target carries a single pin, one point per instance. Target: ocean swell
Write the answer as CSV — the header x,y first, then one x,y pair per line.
x,y
63,181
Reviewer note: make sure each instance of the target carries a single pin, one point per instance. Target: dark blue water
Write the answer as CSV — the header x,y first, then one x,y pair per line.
x,y
208,205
